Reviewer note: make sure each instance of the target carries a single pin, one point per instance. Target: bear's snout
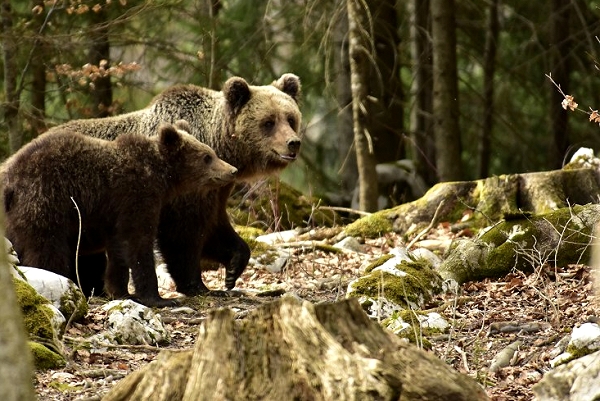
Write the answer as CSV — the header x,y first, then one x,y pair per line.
x,y
293,145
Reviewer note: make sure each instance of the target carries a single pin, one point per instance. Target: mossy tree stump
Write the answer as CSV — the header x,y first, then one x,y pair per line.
x,y
293,350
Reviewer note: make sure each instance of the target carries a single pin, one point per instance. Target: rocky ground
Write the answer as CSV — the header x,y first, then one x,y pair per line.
x,y
538,309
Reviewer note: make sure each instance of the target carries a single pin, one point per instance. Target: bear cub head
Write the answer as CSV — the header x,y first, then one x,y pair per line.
x,y
194,165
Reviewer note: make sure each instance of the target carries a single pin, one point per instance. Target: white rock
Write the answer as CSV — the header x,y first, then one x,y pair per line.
x,y
424,253
280,236
59,290
380,308
583,338
389,266
586,336
279,263
434,320
397,325
128,322
574,381
351,244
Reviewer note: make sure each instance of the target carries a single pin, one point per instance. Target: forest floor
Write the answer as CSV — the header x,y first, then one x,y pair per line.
x,y
542,307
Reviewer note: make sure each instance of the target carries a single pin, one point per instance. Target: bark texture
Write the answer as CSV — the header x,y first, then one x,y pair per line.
x,y
489,68
11,104
293,350
361,49
16,373
445,91
421,111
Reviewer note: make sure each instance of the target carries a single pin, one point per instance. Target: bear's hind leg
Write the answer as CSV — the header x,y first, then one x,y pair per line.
x,y
45,250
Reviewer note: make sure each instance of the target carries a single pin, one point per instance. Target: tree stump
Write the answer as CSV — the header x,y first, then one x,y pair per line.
x,y
294,350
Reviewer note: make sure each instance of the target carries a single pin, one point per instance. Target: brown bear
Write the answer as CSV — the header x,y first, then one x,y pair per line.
x,y
255,128
66,192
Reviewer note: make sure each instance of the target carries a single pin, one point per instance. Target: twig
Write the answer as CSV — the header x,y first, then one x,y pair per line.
x,y
429,227
78,243
344,209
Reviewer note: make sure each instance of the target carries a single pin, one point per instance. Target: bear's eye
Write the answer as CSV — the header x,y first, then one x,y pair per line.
x,y
292,122
207,159
268,125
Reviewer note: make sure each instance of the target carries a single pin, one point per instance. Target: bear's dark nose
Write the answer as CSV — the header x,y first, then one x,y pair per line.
x,y
294,145
233,171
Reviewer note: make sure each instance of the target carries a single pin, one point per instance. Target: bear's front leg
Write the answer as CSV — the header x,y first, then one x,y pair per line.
x,y
183,228
92,268
123,254
228,248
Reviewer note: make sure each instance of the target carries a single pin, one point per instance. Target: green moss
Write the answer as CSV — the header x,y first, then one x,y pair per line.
x,y
278,205
578,352
44,358
414,333
327,248
378,262
36,313
420,341
413,289
64,387
372,226
495,197
249,233
73,305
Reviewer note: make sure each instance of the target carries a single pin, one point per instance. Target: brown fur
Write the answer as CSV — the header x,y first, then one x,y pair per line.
x,y
119,187
255,128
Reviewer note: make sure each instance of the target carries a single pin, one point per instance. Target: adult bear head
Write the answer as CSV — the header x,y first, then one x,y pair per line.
x,y
264,122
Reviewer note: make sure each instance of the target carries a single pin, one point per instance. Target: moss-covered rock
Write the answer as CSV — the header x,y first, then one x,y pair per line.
x,y
414,284
371,226
44,358
559,238
276,205
39,317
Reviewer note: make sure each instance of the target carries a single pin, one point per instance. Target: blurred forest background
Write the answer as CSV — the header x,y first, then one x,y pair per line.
x,y
455,89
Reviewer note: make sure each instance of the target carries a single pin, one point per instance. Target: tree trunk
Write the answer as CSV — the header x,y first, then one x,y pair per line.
x,y
16,373
489,68
361,50
37,119
99,55
385,104
293,350
210,45
348,171
421,113
11,105
560,46
445,91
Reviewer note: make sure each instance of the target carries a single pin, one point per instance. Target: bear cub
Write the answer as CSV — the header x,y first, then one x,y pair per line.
x,y
67,192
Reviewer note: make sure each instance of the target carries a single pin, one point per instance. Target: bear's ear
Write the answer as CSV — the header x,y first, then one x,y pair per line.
x,y
237,93
183,125
290,84
170,138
